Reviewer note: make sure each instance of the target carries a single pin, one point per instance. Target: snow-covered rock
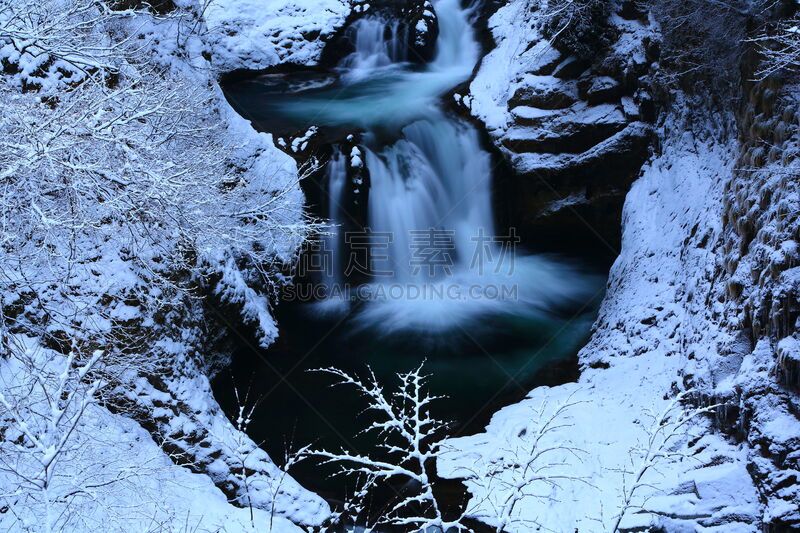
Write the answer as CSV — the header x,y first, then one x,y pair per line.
x,y
568,126
257,34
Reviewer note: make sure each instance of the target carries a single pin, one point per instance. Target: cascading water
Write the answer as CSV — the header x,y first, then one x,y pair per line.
x,y
434,183
377,90
431,187
336,179
373,50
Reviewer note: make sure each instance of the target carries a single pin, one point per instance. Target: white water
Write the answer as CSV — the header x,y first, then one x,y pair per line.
x,y
332,274
435,177
373,51
336,181
385,95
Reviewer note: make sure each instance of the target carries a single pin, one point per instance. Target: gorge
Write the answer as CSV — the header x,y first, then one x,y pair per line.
x,y
507,265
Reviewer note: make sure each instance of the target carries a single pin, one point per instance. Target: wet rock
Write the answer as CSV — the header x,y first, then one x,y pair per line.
x,y
356,199
423,30
788,370
570,68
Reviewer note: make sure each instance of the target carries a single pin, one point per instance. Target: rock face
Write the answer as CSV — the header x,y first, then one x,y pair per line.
x,y
753,368
575,130
705,292
423,27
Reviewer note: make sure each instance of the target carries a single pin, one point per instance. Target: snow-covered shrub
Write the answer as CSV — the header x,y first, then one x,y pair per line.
x,y
411,437
119,171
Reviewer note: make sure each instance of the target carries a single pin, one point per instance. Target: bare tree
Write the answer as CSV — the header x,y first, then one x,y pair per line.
x,y
243,446
529,468
42,403
411,440
779,48
662,445
702,42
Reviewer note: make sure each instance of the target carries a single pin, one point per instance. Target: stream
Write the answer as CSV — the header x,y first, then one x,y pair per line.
x,y
440,281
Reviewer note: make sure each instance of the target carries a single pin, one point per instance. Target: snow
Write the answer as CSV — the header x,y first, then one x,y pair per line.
x,y
300,143
138,483
356,160
256,34
629,107
233,288
789,349
533,113
501,69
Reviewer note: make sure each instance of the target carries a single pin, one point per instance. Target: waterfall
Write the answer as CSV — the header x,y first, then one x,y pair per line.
x,y
436,179
430,189
373,49
377,88
331,261
336,178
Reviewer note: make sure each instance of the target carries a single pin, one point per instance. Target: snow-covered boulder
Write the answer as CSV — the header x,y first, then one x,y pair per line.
x,y
257,34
